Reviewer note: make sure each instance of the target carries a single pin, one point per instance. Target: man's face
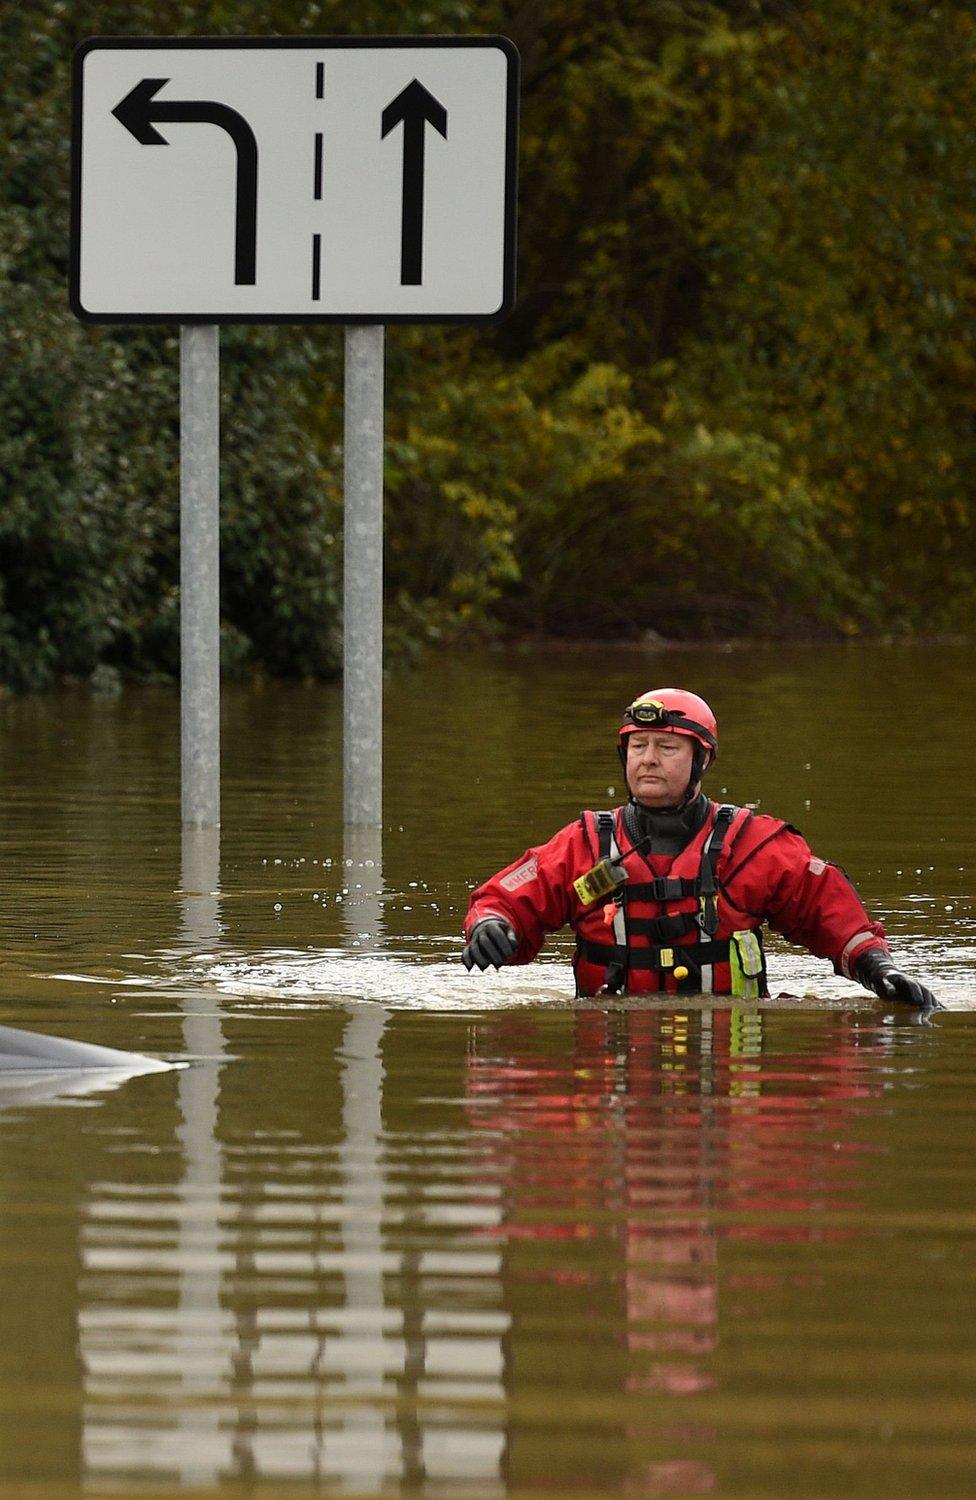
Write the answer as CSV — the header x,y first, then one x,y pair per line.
x,y
658,766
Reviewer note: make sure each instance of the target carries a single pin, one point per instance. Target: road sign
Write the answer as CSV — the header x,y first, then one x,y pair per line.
x,y
289,179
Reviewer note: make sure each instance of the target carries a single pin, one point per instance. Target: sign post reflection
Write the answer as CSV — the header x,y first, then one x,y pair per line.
x,y
201,1337
362,1450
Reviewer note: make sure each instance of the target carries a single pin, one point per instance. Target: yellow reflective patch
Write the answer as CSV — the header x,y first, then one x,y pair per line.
x,y
746,964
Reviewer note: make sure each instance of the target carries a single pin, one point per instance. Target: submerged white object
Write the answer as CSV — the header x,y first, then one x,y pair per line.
x,y
34,1052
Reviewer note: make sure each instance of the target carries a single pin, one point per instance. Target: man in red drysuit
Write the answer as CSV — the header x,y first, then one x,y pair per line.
x,y
669,892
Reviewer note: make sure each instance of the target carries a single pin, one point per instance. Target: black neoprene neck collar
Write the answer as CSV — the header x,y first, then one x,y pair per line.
x,y
666,825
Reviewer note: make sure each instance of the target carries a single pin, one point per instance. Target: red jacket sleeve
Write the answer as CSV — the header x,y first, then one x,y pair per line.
x,y
808,900
535,893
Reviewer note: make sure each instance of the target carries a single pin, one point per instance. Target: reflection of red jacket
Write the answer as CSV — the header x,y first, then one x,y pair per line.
x,y
765,873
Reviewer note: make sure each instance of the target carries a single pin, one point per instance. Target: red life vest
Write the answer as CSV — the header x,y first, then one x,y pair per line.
x,y
670,914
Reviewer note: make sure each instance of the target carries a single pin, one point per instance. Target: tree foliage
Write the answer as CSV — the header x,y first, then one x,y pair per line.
x,y
736,393
761,215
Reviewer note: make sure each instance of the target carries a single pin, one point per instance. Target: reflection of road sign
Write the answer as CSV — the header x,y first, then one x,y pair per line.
x,y
300,180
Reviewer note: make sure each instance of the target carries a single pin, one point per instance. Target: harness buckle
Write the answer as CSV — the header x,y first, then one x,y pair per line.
x,y
708,914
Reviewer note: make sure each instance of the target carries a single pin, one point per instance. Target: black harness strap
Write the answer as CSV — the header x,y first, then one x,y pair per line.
x,y
604,829
708,912
715,951
616,979
664,888
663,929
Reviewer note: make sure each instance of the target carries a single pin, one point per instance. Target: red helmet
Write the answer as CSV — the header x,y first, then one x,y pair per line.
x,y
675,710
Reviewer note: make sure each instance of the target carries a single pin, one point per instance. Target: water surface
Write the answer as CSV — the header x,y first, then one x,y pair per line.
x,y
402,1230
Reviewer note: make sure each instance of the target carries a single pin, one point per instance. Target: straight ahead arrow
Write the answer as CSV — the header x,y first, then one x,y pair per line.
x,y
140,108
414,108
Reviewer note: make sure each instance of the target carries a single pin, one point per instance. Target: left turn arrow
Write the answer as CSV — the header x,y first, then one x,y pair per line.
x,y
140,110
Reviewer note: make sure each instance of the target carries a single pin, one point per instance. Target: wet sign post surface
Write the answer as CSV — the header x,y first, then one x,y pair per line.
x,y
349,180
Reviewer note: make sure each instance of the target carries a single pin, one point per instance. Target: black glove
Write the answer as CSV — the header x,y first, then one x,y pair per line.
x,y
877,971
492,942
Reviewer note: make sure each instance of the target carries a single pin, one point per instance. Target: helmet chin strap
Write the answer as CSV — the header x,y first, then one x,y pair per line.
x,y
698,761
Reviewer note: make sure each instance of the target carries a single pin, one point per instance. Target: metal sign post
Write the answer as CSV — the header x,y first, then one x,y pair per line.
x,y
353,180
362,627
200,575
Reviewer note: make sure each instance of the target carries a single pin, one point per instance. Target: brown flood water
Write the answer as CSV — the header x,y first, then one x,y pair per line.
x,y
401,1230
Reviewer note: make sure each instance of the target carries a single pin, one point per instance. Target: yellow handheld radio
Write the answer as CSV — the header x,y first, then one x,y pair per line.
x,y
605,877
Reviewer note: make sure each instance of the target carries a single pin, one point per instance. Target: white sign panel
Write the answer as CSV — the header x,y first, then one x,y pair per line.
x,y
294,180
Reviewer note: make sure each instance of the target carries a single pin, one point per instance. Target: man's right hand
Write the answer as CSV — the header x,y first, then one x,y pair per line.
x,y
492,943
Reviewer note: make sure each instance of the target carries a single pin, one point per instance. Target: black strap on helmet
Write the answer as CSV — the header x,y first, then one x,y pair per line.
x,y
652,715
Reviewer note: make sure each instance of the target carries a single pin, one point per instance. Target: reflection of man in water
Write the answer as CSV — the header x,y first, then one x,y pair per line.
x,y
641,1157
670,891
